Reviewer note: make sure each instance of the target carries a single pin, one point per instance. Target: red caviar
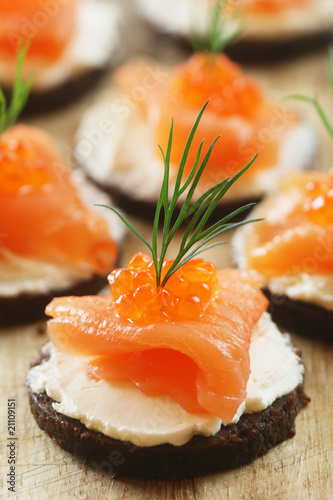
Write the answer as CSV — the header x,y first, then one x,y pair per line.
x,y
184,296
23,175
269,6
205,76
314,192
319,204
47,25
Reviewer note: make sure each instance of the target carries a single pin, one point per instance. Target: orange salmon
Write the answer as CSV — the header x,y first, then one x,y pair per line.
x,y
41,213
47,25
204,364
297,232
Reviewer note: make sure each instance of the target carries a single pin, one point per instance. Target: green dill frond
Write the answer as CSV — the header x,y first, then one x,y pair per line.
x,y
222,29
314,101
20,93
197,237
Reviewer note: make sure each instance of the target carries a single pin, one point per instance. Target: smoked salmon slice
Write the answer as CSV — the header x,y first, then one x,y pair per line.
x,y
48,26
203,363
296,234
41,214
239,112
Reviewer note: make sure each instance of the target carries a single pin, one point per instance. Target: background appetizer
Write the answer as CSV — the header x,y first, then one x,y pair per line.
x,y
292,248
72,43
272,29
52,240
124,159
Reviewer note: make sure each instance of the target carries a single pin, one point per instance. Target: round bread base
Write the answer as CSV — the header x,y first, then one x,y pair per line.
x,y
306,319
27,308
275,50
232,446
62,95
145,209
251,50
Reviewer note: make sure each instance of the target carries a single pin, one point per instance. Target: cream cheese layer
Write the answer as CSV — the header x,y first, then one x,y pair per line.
x,y
179,17
121,411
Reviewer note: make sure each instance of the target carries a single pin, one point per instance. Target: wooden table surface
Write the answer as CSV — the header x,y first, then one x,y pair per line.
x,y
300,468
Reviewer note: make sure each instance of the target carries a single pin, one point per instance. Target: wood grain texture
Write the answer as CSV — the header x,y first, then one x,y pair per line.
x,y
300,468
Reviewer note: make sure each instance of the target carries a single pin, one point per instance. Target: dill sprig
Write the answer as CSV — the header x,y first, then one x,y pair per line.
x,y
221,30
314,101
197,236
20,93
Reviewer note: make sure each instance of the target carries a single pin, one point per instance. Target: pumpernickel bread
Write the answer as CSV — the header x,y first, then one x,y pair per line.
x,y
304,318
145,209
26,308
259,42
256,50
233,445
62,95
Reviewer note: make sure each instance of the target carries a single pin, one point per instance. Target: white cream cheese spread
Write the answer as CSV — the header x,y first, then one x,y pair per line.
x,y
121,411
316,288
128,157
179,17
21,275
313,288
91,47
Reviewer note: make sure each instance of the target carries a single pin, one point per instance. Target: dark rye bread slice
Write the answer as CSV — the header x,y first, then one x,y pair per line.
x,y
250,49
256,50
304,318
275,50
234,445
26,308
57,97
145,209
